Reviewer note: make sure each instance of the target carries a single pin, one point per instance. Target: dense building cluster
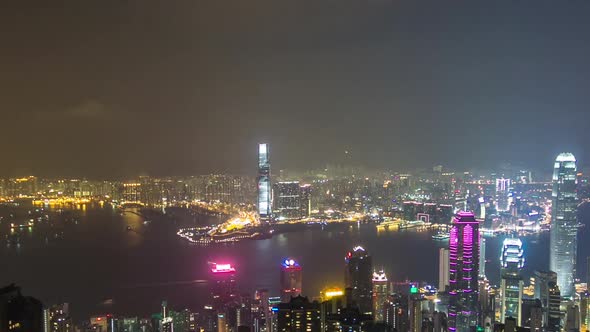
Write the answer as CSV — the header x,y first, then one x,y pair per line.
x,y
470,207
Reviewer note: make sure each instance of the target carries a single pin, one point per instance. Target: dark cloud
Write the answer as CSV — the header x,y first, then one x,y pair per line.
x,y
185,87
89,109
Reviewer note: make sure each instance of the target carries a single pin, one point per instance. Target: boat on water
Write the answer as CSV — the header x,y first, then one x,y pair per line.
x,y
440,236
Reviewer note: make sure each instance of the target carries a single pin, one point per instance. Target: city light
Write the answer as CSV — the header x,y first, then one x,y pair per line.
x,y
222,268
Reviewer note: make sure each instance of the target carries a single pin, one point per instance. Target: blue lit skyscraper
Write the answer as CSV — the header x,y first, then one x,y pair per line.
x,y
264,191
564,225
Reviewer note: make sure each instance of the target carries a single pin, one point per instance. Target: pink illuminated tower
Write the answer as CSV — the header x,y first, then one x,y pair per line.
x,y
223,284
463,272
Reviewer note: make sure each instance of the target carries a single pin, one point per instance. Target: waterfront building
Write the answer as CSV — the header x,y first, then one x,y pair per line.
x,y
463,272
305,199
298,315
380,293
512,261
291,279
443,269
564,225
359,278
264,202
287,200
132,193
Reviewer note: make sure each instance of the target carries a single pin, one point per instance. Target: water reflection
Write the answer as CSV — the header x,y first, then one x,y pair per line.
x,y
96,248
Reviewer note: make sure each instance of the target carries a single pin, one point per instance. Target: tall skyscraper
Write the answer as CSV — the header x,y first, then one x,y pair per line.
x,y
443,269
380,294
291,277
544,282
264,189
223,285
553,311
463,272
358,277
482,257
502,190
415,301
512,260
564,225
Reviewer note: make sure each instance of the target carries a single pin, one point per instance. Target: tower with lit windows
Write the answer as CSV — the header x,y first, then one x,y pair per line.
x,y
380,294
264,203
512,260
359,278
463,272
564,225
223,284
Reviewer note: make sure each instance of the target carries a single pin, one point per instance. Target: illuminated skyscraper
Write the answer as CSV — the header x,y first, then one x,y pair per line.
x,y
564,226
544,282
380,293
291,276
264,188
415,309
359,278
512,260
482,257
443,269
502,190
463,272
223,285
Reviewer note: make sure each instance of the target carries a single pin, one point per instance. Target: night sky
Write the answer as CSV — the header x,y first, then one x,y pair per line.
x,y
122,88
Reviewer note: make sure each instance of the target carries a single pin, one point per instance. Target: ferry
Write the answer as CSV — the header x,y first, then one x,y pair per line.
x,y
440,236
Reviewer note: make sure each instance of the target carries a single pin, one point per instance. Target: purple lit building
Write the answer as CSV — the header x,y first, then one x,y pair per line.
x,y
463,272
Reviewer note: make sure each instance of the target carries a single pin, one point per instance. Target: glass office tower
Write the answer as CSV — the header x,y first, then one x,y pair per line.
x,y
564,225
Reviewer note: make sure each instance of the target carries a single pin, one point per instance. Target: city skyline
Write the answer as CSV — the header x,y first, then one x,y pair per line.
x,y
307,166
386,81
